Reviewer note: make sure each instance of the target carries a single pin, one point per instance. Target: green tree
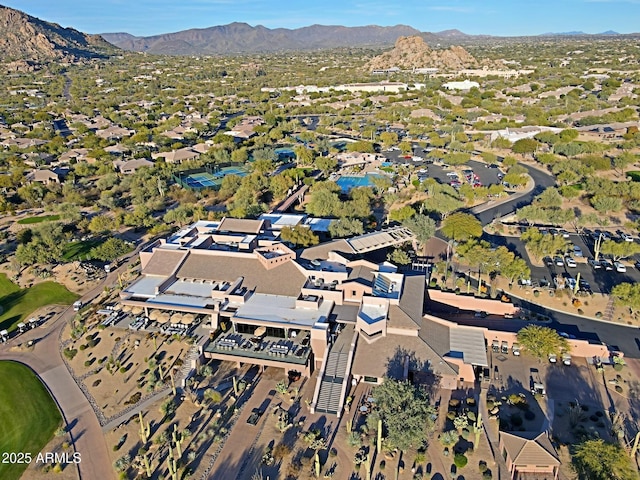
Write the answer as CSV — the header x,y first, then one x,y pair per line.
x,y
110,249
299,235
389,139
422,227
323,203
517,268
619,250
402,214
550,198
346,227
443,204
525,146
606,204
627,294
540,245
405,412
541,341
399,257
361,146
461,227
598,460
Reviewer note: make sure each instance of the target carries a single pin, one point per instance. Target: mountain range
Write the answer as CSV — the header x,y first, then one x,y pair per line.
x,y
26,41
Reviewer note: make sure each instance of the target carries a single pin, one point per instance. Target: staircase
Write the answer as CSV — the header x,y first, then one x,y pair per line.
x,y
335,374
331,385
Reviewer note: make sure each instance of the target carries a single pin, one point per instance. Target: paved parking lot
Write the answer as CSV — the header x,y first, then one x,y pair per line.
x,y
601,281
487,176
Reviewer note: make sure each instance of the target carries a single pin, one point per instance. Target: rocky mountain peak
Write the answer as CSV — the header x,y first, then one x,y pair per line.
x,y
413,52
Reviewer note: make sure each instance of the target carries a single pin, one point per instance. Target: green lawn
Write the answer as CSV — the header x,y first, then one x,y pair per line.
x,y
17,304
45,218
28,416
79,250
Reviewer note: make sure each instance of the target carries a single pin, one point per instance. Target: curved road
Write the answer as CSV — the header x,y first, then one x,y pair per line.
x,y
46,360
625,338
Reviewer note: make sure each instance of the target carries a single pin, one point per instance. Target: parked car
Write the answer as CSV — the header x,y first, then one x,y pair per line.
x,y
553,231
564,233
577,251
620,267
548,261
626,237
595,264
504,347
606,264
570,262
558,261
515,348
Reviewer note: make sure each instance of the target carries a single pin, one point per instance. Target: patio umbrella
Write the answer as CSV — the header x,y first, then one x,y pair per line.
x,y
176,318
260,331
137,310
126,308
163,317
117,307
154,314
188,318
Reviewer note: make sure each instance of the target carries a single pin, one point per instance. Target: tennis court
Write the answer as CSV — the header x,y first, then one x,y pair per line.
x,y
202,180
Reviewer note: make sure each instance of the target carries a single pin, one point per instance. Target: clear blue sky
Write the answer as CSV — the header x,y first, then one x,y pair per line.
x,y
495,17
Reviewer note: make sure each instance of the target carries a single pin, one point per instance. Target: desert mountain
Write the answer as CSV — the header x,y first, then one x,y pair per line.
x,y
243,38
26,41
413,52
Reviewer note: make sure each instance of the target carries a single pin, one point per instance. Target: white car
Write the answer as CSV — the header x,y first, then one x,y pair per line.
x,y
570,262
619,267
626,237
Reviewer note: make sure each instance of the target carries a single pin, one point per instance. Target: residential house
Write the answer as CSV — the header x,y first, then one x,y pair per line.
x,y
128,167
44,176
177,156
114,132
529,456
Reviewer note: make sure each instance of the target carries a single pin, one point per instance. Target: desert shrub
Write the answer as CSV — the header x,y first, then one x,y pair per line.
x,y
454,403
459,460
482,466
383,464
123,369
580,311
69,353
471,416
598,314
133,399
451,415
92,343
281,450
618,388
83,347
97,382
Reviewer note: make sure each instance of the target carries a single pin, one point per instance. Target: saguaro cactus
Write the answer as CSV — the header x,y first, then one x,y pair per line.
x,y
145,429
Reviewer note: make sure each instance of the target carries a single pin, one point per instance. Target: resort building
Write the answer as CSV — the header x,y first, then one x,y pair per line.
x,y
330,312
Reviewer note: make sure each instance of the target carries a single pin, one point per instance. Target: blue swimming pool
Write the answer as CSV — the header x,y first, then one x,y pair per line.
x,y
348,182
